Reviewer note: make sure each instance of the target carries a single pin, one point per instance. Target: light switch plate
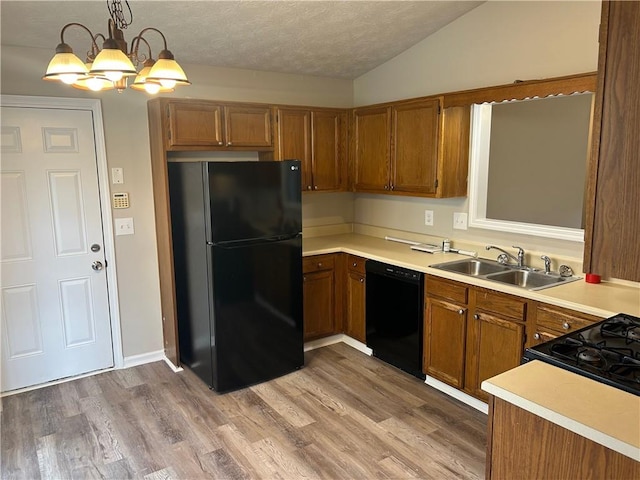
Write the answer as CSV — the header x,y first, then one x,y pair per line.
x,y
124,226
460,221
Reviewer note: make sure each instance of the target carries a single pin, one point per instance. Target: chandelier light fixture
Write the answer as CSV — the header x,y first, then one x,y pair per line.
x,y
111,66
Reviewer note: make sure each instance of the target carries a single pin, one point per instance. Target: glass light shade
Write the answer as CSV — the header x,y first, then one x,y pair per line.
x,y
168,73
113,64
141,84
93,83
65,67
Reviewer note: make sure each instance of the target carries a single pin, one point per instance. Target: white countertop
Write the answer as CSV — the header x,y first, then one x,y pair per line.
x,y
604,414
604,299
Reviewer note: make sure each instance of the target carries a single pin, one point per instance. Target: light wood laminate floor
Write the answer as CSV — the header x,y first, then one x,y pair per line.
x,y
344,416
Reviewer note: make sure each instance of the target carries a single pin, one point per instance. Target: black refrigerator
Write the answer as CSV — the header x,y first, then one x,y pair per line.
x,y
237,248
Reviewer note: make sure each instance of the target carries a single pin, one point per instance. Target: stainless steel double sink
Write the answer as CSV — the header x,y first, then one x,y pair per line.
x,y
524,277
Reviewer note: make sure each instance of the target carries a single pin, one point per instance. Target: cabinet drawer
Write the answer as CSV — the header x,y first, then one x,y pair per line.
x,y
438,287
317,263
502,304
561,320
356,264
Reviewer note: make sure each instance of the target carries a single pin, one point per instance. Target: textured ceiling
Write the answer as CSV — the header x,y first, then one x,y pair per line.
x,y
327,38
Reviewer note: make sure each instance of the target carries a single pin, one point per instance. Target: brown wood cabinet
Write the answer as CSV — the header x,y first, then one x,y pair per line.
x,y
410,148
211,125
471,333
321,307
549,321
613,192
445,330
355,325
414,146
371,148
522,445
317,138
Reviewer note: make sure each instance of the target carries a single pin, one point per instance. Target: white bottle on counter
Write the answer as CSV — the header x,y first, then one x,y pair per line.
x,y
446,245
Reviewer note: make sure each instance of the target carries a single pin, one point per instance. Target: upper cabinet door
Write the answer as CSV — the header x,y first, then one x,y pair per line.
x,y
329,172
613,193
248,126
294,140
371,147
415,146
192,123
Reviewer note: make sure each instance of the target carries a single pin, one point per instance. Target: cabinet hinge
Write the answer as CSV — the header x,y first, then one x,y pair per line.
x,y
436,183
439,109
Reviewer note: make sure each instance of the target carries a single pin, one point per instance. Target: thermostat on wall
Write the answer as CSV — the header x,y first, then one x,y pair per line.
x,y
120,200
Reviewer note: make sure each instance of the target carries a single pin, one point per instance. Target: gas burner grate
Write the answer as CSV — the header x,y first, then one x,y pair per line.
x,y
622,326
628,370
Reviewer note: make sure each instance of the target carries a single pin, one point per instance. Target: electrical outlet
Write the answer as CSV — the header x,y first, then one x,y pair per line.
x,y
428,217
460,221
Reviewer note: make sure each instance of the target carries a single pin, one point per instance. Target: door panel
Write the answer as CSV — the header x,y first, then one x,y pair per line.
x,y
55,309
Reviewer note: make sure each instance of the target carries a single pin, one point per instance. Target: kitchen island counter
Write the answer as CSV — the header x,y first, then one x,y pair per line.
x,y
603,414
604,300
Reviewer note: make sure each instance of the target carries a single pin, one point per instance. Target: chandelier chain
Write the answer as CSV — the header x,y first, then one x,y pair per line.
x,y
118,14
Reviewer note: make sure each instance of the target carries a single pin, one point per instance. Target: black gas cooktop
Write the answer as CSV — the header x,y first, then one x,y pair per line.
x,y
608,351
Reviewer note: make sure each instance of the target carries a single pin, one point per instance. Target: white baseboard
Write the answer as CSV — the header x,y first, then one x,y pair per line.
x,y
141,359
352,342
457,394
323,342
172,366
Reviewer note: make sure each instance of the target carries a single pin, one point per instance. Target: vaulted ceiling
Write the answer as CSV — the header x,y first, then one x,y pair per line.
x,y
341,39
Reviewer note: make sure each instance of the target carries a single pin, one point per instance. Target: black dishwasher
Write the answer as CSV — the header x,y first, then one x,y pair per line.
x,y
394,306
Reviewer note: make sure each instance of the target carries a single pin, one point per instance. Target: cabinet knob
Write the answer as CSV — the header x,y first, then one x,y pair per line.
x,y
228,144
220,142
319,264
476,316
461,311
308,187
536,336
392,187
386,187
355,264
362,280
566,326
315,187
304,279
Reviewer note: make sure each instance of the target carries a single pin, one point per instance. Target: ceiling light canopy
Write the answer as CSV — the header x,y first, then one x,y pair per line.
x,y
110,66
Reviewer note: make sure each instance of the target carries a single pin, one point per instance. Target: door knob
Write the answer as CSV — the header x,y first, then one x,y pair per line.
x,y
97,266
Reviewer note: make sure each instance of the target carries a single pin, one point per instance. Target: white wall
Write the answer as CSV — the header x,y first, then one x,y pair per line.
x,y
127,143
496,43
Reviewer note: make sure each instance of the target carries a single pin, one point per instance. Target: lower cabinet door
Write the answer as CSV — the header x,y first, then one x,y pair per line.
x,y
444,341
319,304
494,345
355,326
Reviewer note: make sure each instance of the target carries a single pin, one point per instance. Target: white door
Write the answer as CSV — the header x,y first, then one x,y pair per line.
x,y
54,302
